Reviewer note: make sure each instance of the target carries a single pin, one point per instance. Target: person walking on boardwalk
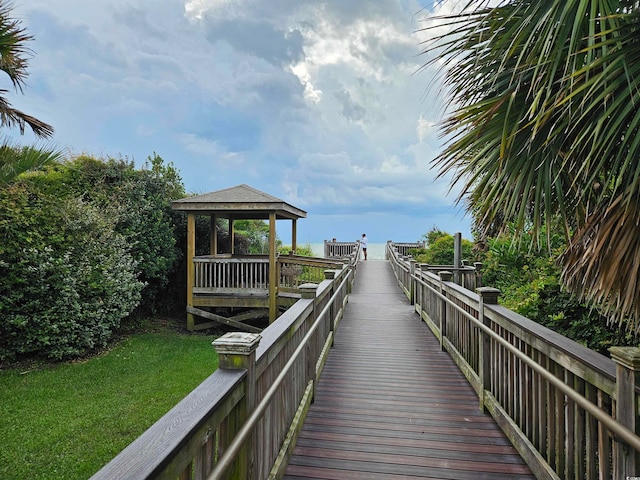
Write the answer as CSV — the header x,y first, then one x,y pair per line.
x,y
363,243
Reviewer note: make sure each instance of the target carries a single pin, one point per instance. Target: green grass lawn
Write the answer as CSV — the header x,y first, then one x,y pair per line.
x,y
66,421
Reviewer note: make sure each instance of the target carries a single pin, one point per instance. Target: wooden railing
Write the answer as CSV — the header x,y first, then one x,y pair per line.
x,y
404,248
470,277
214,274
570,412
340,249
250,274
242,421
295,270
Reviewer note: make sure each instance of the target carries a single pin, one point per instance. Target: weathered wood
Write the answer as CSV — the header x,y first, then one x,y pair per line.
x,y
191,251
279,466
221,319
552,413
339,249
273,273
390,403
162,448
626,461
250,315
238,301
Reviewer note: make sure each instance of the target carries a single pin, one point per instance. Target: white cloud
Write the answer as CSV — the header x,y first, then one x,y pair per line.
x,y
318,103
424,128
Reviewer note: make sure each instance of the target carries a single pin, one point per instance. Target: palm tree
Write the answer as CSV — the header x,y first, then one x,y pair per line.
x,y
15,160
544,125
13,61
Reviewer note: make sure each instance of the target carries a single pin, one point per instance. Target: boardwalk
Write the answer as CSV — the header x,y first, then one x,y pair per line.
x,y
391,405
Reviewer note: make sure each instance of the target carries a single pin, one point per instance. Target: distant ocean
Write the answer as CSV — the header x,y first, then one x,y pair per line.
x,y
375,251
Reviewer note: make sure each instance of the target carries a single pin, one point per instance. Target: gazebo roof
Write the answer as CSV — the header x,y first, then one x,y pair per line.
x,y
240,202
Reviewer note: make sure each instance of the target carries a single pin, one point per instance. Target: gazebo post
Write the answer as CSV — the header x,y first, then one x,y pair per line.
x,y
231,235
213,236
273,274
294,232
191,253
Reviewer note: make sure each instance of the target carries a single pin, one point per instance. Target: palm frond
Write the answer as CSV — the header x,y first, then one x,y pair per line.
x,y
14,56
544,124
15,159
602,263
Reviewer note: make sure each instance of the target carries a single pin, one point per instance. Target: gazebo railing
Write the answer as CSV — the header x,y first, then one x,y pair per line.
x,y
296,270
230,274
250,274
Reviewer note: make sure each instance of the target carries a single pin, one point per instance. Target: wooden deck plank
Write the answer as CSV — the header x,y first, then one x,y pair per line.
x,y
390,405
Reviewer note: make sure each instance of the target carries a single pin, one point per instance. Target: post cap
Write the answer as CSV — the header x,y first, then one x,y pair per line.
x,y
329,274
489,294
308,290
237,343
628,357
445,276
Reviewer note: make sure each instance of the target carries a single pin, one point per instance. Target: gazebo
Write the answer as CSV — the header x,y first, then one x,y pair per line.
x,y
225,279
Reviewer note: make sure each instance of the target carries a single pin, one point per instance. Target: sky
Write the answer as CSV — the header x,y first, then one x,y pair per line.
x,y
322,104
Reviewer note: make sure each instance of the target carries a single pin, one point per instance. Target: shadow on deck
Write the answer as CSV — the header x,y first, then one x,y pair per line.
x,y
391,405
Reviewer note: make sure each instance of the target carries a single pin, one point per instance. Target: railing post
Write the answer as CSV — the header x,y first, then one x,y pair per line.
x,y
626,463
444,277
457,256
308,291
406,281
237,351
488,296
333,309
412,272
478,267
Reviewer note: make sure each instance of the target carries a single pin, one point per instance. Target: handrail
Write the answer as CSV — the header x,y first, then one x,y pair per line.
x,y
623,432
250,273
227,458
569,411
189,440
339,249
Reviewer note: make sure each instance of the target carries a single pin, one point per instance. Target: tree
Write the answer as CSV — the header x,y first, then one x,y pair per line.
x,y
15,160
544,127
13,61
256,232
14,54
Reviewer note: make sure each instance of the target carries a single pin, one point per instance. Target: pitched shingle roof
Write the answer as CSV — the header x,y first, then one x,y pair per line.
x,y
241,201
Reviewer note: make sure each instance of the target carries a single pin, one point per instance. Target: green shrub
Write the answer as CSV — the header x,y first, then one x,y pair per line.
x,y
440,249
66,278
529,281
138,202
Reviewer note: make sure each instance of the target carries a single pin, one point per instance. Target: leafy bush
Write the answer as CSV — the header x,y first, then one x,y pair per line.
x,y
303,250
440,249
85,243
138,201
67,279
529,281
